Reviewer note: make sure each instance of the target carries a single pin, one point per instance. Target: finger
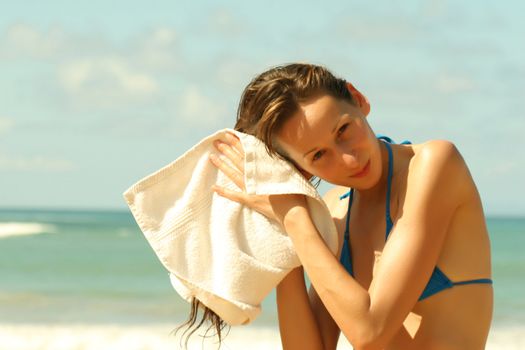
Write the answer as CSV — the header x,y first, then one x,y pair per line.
x,y
234,141
232,173
233,155
236,196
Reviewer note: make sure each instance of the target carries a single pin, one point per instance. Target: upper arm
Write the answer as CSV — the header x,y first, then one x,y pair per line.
x,y
433,193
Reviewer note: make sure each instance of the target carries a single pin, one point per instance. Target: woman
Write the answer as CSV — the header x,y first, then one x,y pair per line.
x,y
413,269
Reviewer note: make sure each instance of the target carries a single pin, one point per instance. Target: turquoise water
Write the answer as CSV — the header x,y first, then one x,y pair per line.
x,y
508,266
96,267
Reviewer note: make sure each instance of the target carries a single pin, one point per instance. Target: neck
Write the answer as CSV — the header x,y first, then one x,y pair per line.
x,y
379,189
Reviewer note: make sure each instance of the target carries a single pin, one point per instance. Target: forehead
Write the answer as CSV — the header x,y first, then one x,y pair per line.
x,y
313,122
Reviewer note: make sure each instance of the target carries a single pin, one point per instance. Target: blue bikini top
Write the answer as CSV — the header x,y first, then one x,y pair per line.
x,y
438,281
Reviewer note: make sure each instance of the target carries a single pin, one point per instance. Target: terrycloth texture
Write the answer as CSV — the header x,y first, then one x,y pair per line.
x,y
216,250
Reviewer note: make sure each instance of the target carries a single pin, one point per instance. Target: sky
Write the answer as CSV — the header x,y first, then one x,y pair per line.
x,y
95,95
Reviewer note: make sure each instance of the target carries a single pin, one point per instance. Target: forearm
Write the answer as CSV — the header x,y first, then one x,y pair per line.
x,y
347,301
297,324
327,326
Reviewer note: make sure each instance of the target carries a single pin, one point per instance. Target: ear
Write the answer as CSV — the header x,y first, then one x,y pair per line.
x,y
361,99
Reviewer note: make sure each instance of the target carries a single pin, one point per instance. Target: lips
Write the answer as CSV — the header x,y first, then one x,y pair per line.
x,y
363,172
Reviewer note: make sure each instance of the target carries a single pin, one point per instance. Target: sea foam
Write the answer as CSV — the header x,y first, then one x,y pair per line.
x,y
117,337
9,229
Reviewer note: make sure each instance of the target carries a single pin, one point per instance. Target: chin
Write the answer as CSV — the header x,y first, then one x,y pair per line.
x,y
365,186
361,184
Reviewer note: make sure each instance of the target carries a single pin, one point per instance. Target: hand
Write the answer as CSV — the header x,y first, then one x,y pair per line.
x,y
231,163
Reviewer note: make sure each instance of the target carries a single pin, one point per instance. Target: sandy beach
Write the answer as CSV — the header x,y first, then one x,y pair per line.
x,y
159,337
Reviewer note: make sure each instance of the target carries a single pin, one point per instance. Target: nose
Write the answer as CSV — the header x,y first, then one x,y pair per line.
x,y
348,158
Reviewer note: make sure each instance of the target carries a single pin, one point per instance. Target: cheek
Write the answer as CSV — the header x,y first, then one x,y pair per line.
x,y
328,172
361,134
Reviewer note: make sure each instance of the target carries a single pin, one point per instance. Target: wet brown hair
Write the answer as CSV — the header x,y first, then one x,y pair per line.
x,y
266,103
274,96
208,316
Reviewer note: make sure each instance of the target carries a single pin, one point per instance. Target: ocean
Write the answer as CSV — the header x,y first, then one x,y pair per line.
x,y
89,280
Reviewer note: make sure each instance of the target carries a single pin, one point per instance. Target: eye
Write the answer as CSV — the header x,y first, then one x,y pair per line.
x,y
342,129
317,155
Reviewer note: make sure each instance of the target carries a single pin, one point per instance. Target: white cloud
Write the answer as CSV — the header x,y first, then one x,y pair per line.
x,y
235,72
6,124
157,50
162,37
23,40
106,80
224,21
434,8
452,84
94,70
39,163
504,167
378,29
199,109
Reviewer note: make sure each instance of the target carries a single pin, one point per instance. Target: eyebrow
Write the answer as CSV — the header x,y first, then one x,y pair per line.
x,y
333,130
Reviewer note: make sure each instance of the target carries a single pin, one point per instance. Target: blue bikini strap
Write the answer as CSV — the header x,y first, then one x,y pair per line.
x,y
350,200
389,222
477,281
387,141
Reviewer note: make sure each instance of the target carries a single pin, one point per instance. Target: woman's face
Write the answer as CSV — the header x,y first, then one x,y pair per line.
x,y
331,139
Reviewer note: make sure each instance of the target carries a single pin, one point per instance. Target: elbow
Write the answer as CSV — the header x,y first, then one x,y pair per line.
x,y
369,337
367,342
368,346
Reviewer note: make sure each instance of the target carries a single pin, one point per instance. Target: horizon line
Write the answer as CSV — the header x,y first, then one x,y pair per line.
x,y
127,210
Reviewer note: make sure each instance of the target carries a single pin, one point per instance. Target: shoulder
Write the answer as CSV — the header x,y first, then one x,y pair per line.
x,y
436,150
437,155
438,163
333,201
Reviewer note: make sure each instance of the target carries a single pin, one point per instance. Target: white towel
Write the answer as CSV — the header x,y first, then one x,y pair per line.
x,y
216,250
